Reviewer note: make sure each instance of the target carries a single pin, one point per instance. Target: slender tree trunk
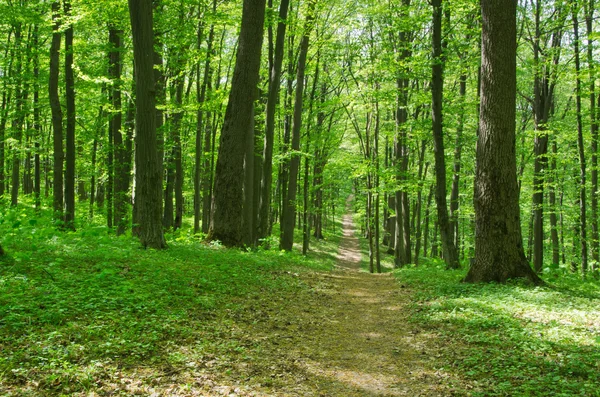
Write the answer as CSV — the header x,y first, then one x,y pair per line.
x,y
57,117
272,99
200,123
37,127
289,216
19,116
449,249
553,207
120,157
581,146
147,163
589,6
70,130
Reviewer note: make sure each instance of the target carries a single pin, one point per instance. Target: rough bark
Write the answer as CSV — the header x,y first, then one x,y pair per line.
x,y
289,207
272,99
227,220
581,148
57,116
147,163
70,152
437,89
499,253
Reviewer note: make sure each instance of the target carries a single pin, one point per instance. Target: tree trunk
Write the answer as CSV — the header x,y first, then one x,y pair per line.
x,y
437,89
273,95
19,116
120,157
57,117
226,222
581,147
147,162
70,130
201,90
37,127
289,208
589,20
499,254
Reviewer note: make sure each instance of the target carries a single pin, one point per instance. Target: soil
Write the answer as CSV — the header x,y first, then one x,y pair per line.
x,y
345,333
350,336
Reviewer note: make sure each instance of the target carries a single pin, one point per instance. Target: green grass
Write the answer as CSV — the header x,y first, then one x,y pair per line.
x,y
512,340
77,308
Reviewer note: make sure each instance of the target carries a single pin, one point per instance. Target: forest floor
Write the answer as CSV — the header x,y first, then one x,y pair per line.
x,y
88,314
350,337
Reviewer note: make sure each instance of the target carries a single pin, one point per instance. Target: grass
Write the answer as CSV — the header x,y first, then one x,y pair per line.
x,y
82,310
512,340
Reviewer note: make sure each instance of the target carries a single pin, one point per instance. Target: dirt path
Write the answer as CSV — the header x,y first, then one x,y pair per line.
x,y
349,336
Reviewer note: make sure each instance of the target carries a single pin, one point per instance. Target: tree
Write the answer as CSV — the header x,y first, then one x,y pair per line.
x,y
274,87
148,188
226,221
289,208
499,253
57,117
437,89
70,130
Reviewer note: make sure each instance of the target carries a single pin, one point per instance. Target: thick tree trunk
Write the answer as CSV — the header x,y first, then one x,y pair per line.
x,y
499,254
147,162
227,219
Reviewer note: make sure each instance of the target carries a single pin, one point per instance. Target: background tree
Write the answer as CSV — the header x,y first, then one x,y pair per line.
x,y
148,180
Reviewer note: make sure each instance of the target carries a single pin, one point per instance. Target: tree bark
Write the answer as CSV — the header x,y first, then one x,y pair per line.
x,y
289,207
499,254
580,146
57,116
70,130
589,20
227,218
272,99
437,89
147,162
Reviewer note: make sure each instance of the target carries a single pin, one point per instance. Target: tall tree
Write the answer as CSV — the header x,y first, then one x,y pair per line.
x,y
437,89
70,130
289,208
272,99
580,144
226,221
57,116
499,253
148,189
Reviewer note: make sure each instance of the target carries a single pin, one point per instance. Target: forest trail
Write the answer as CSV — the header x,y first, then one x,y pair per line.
x,y
350,336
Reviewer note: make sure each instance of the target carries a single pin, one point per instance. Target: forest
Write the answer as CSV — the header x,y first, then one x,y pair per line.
x,y
299,198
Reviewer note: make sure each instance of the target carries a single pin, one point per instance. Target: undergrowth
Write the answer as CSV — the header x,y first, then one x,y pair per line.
x,y
77,309
512,340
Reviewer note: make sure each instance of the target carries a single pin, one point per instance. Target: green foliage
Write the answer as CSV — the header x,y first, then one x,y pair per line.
x,y
512,339
76,307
